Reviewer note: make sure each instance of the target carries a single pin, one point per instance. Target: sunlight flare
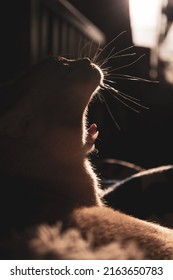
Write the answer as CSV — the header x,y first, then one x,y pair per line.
x,y
145,21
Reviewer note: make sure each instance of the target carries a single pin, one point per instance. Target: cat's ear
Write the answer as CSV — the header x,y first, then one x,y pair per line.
x,y
14,125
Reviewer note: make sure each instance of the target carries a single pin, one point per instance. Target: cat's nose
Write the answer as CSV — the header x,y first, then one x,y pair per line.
x,y
85,60
82,62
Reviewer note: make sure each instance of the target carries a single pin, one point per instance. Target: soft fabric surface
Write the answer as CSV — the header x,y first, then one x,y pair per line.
x,y
46,242
145,195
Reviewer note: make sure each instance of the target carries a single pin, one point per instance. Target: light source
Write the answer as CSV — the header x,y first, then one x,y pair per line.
x,y
145,20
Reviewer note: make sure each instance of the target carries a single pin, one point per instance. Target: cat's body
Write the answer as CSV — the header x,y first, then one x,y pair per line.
x,y
43,137
44,141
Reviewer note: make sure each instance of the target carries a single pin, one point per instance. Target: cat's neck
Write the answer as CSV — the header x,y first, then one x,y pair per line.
x,y
70,177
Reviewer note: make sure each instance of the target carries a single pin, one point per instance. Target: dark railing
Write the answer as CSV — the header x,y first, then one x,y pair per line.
x,y
58,28
33,29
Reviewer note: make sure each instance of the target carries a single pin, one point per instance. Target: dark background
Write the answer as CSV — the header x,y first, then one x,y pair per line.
x,y
144,138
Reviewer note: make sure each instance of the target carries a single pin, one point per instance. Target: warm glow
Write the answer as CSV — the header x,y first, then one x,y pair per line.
x,y
145,18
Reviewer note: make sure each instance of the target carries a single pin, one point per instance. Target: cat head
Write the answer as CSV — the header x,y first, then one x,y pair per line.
x,y
55,89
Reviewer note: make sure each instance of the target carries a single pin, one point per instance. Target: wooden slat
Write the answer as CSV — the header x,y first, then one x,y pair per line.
x,y
58,28
72,15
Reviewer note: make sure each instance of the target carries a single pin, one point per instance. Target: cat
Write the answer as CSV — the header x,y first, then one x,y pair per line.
x,y
47,177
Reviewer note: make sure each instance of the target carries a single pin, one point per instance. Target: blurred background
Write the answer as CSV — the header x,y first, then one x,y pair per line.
x,y
33,29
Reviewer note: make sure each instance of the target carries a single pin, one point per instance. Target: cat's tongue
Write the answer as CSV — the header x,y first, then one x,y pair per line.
x,y
92,134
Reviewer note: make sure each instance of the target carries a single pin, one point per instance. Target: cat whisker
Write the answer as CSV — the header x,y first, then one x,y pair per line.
x,y
101,98
125,104
113,40
127,65
79,48
109,73
122,55
131,78
96,53
126,97
90,49
116,56
106,70
125,49
109,81
84,50
104,61
109,111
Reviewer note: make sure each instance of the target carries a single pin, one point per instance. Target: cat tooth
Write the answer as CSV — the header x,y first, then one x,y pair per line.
x,y
92,134
95,135
92,129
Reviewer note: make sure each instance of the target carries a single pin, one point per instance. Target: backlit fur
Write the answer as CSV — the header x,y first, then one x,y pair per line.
x,y
43,139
